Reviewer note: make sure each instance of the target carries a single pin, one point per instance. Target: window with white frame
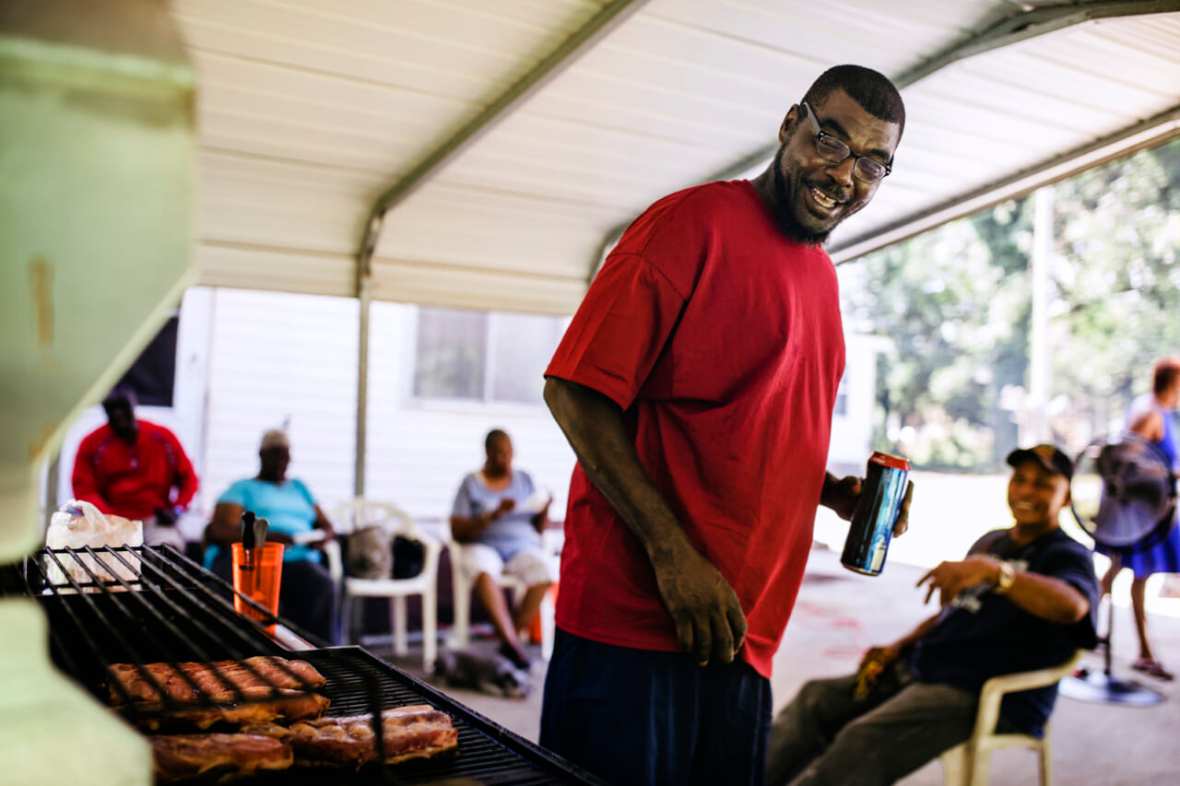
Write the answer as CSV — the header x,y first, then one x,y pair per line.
x,y
483,356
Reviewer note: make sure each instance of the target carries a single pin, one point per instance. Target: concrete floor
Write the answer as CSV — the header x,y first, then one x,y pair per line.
x,y
839,615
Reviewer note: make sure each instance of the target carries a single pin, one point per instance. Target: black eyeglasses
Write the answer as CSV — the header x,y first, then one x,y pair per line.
x,y
834,151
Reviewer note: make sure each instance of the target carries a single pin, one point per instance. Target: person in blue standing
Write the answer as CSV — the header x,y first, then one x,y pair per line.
x,y
1151,417
307,596
498,516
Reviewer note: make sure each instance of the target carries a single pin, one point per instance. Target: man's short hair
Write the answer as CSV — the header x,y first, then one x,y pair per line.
x,y
492,436
871,89
122,396
1165,374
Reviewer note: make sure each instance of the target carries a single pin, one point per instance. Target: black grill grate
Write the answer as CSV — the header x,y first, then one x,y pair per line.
x,y
488,753
149,605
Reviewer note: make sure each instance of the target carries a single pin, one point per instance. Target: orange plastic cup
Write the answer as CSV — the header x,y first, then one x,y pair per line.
x,y
258,576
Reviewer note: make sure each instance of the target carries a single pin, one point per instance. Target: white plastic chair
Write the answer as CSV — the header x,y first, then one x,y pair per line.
x,y
462,585
969,764
359,513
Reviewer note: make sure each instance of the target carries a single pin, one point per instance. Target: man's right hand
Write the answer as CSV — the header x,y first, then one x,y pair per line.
x,y
710,624
485,520
883,655
872,666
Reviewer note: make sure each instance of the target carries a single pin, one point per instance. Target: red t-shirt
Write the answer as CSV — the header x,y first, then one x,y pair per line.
x,y
133,481
722,342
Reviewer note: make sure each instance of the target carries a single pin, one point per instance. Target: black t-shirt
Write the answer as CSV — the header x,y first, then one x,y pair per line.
x,y
983,635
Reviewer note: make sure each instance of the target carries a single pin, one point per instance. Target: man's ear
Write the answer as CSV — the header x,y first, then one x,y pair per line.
x,y
790,121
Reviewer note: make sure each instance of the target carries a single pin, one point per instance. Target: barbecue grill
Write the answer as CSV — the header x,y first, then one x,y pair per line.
x,y
149,605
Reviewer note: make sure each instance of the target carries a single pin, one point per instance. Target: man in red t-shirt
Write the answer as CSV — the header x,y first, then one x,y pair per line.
x,y
696,384
135,469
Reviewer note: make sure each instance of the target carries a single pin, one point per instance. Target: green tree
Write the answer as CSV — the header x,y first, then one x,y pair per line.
x,y
955,302
1116,273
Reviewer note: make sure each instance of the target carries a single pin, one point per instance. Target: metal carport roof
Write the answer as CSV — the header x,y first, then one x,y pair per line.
x,y
311,111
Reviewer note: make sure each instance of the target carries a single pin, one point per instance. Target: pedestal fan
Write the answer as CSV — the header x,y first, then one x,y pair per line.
x,y
1124,497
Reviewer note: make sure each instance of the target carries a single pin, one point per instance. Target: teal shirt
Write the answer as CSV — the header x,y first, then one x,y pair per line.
x,y
289,509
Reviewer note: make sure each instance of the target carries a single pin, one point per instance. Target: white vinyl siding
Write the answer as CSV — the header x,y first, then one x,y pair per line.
x,y
280,359
250,361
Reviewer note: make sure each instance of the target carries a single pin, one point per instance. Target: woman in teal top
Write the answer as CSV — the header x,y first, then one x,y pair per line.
x,y
307,596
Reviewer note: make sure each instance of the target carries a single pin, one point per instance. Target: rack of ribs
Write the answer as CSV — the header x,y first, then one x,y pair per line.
x,y
211,679
183,756
413,732
266,693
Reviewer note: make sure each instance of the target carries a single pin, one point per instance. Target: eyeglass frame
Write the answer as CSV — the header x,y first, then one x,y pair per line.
x,y
813,118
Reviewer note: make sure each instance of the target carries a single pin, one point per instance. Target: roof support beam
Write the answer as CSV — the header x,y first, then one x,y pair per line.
x,y
1149,133
1035,21
610,16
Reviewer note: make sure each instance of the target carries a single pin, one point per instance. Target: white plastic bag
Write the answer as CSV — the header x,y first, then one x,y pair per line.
x,y
78,524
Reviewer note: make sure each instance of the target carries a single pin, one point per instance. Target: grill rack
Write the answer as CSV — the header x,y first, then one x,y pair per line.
x,y
195,597
188,616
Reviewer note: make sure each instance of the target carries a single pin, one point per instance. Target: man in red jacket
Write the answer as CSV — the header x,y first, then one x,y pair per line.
x,y
135,469
696,384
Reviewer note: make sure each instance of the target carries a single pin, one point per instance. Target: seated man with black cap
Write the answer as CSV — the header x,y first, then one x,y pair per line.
x,y
1024,598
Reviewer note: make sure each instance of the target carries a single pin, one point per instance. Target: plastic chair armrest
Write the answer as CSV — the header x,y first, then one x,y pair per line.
x,y
994,690
335,561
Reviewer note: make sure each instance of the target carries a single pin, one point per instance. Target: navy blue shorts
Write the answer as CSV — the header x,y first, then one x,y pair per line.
x,y
641,718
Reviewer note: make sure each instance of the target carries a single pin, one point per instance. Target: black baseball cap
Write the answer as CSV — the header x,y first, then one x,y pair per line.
x,y
1052,458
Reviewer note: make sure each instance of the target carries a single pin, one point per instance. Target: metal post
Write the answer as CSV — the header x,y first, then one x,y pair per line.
x,y
364,296
362,391
1039,372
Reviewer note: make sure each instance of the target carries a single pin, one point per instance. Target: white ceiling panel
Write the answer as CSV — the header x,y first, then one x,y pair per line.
x,y
1013,108
309,109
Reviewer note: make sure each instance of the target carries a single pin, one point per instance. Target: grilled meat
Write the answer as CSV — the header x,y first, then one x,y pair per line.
x,y
291,706
254,678
258,690
413,732
183,756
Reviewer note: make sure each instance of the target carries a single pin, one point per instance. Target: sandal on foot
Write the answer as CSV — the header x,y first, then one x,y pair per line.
x,y
515,657
1153,668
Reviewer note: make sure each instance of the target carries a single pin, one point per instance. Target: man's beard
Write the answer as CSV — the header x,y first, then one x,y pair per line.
x,y
784,215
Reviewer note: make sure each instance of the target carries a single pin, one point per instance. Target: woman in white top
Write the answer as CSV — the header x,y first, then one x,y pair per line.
x,y
497,518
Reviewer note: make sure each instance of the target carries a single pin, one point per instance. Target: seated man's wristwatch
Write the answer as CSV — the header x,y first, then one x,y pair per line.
x,y
1005,579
